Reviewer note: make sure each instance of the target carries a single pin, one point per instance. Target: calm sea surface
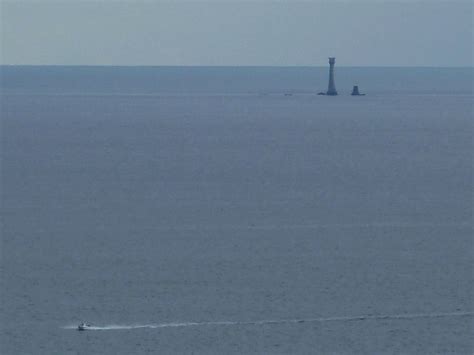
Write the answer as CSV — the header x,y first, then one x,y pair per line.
x,y
232,210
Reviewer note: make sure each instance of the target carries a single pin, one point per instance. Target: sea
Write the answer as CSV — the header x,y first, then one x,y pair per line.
x,y
232,210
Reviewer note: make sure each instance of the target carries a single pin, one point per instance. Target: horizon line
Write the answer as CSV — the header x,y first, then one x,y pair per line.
x,y
230,66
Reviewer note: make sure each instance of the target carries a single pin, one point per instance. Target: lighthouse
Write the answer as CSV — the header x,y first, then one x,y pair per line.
x,y
332,86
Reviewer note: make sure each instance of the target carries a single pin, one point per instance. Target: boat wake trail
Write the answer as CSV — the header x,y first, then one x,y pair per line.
x,y
280,321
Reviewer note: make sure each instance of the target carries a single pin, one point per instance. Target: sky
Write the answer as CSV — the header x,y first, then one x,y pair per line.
x,y
274,33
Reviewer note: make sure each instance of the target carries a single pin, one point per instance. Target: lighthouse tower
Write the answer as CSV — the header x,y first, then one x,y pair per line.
x,y
332,86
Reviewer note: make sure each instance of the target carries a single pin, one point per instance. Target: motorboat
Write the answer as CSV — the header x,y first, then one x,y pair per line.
x,y
83,326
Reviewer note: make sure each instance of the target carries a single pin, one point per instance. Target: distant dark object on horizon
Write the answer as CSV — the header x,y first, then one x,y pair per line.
x,y
355,91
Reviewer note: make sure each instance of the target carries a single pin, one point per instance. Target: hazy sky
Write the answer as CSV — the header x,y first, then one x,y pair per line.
x,y
375,32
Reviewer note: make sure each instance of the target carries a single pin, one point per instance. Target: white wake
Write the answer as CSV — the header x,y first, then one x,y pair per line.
x,y
279,321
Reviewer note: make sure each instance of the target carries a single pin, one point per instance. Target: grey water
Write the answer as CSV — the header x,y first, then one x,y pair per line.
x,y
233,211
